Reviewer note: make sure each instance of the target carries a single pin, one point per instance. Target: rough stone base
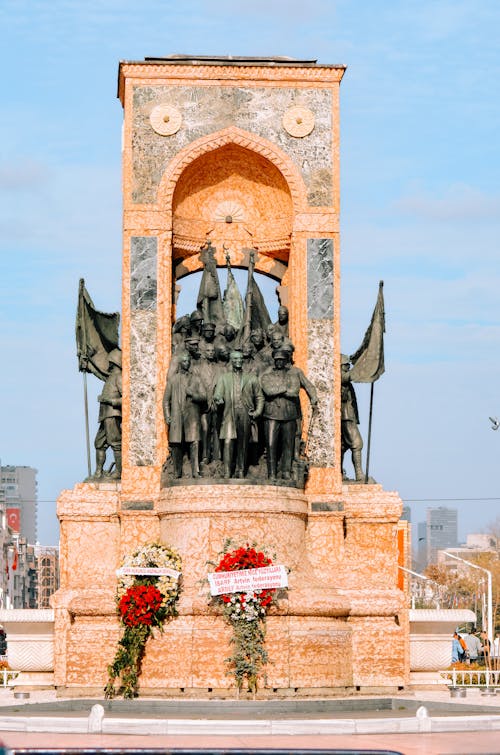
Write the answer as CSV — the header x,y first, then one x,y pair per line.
x,y
343,625
191,653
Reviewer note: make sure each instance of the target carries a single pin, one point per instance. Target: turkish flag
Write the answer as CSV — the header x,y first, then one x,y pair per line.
x,y
14,519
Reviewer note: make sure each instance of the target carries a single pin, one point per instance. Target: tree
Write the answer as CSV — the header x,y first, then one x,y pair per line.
x,y
454,589
464,587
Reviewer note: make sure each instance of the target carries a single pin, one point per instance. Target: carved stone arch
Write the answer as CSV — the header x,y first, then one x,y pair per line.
x,y
242,138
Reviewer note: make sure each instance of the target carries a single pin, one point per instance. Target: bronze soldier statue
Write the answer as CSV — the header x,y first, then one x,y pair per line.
x,y
351,437
207,336
281,325
249,364
192,346
240,395
258,343
276,341
181,409
210,372
281,389
109,434
180,331
195,323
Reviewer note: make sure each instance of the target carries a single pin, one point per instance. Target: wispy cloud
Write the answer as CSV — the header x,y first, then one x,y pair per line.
x,y
78,209
459,202
23,175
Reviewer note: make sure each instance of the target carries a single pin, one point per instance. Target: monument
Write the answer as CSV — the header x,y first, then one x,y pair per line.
x,y
232,425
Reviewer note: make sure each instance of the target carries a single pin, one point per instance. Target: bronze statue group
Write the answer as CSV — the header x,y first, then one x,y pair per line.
x,y
232,395
231,401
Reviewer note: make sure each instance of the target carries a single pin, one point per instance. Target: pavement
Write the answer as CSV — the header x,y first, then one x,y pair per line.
x,y
428,722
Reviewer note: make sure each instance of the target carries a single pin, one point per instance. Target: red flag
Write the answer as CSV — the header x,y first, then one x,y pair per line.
x,y
14,519
14,563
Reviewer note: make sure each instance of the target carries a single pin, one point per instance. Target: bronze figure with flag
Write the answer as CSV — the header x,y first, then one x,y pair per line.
x,y
98,353
367,367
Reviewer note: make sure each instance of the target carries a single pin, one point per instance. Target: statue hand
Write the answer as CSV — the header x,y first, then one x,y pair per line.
x,y
252,414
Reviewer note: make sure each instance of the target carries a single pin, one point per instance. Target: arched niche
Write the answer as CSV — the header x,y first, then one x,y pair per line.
x,y
239,200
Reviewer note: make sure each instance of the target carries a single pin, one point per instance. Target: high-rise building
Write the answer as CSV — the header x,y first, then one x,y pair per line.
x,y
4,541
23,577
19,486
441,531
406,515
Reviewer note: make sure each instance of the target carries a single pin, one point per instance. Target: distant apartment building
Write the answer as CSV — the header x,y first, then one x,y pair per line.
x,y
4,540
19,487
30,574
441,531
476,545
482,541
47,567
22,575
406,515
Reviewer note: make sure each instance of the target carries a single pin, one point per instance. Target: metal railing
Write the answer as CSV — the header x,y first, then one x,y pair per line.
x,y
472,678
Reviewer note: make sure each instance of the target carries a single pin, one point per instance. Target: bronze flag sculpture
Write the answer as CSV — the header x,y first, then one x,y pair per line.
x,y
368,366
96,339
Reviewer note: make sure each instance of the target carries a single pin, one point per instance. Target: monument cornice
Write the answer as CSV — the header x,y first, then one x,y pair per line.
x,y
252,73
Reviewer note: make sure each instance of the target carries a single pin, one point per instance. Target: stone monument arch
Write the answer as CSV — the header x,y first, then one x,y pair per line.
x,y
239,157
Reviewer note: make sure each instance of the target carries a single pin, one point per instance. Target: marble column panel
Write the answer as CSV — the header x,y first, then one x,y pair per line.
x,y
142,446
143,298
143,266
320,279
320,347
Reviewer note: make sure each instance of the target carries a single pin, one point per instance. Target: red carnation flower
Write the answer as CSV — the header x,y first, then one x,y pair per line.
x,y
139,605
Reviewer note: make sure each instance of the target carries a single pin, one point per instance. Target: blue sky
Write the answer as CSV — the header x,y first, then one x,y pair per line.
x,y
420,161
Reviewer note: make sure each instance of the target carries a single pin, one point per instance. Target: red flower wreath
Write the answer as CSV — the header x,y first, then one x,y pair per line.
x,y
139,605
246,558
246,612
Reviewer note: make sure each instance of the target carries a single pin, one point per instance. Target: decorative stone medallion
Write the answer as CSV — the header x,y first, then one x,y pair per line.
x,y
165,119
298,121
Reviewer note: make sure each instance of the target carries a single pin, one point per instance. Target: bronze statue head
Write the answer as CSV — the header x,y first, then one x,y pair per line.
x,y
236,358
282,315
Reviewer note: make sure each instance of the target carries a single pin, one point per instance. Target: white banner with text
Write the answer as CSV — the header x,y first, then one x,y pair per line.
x,y
148,571
248,580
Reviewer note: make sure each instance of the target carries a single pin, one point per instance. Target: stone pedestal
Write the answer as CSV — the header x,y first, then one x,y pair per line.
x,y
342,626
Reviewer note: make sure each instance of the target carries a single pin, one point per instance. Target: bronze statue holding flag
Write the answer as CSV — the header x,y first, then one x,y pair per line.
x,y
97,352
367,367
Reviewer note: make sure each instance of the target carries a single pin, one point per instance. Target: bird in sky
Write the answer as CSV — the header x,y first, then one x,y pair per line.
x,y
495,423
